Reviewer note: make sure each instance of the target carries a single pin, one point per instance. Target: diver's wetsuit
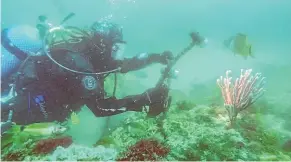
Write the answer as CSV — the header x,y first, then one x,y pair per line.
x,y
46,92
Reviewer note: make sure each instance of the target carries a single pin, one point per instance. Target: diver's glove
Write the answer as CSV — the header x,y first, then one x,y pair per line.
x,y
159,100
154,96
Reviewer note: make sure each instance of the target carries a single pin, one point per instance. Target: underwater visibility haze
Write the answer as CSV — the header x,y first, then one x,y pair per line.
x,y
146,80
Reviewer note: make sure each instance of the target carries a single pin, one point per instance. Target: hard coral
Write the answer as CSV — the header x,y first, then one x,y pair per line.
x,y
145,150
46,146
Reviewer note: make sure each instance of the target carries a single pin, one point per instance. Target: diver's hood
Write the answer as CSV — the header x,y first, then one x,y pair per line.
x,y
109,31
83,46
74,50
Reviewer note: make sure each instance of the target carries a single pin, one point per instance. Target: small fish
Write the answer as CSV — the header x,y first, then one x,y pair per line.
x,y
19,134
40,129
239,45
75,118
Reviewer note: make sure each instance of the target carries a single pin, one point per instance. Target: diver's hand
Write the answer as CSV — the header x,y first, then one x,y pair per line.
x,y
166,57
158,98
156,95
154,98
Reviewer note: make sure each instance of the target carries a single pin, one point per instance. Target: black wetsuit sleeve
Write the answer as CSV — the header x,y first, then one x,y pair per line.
x,y
138,62
113,106
105,107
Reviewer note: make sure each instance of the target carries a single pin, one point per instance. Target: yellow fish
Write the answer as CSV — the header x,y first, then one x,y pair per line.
x,y
40,129
239,45
19,133
74,118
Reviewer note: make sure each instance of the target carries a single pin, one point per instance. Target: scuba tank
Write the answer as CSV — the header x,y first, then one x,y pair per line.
x,y
20,41
16,44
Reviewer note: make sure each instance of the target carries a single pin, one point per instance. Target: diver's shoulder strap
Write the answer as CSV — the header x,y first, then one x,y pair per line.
x,y
27,71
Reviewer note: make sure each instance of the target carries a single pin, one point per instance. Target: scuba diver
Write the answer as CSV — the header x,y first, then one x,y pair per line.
x,y
52,80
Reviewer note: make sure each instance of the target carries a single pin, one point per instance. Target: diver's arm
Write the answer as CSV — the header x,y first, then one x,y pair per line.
x,y
113,106
142,60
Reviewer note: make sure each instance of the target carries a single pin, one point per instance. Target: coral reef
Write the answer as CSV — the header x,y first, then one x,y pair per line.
x,y
36,149
145,150
192,132
203,137
198,133
72,153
